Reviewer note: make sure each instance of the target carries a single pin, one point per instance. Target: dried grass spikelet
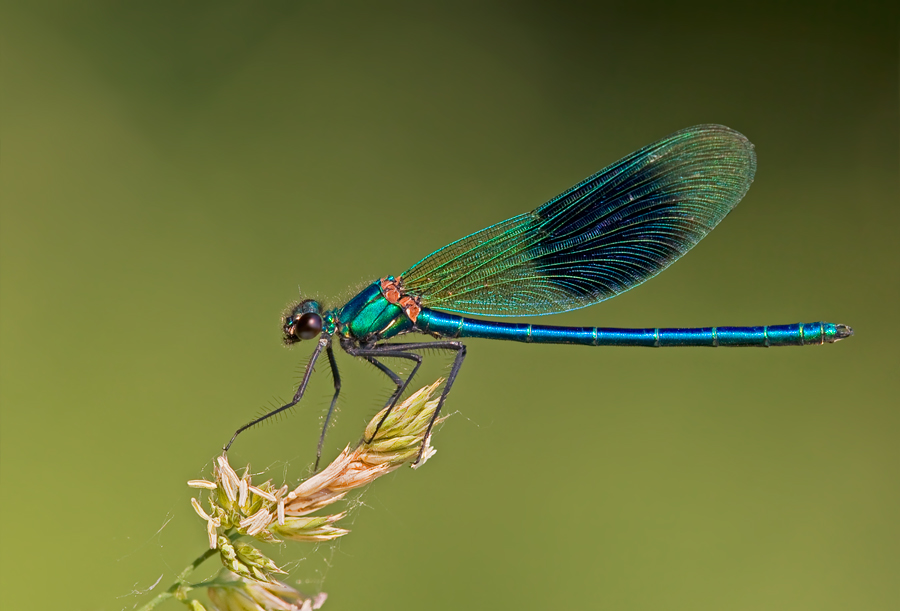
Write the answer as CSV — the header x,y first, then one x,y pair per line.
x,y
266,513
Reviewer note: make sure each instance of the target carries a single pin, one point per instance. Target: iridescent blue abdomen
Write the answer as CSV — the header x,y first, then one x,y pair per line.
x,y
799,334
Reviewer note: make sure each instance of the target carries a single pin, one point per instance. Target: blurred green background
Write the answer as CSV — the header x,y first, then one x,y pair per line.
x,y
173,172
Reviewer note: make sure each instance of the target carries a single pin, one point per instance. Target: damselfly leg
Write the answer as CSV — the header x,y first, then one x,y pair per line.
x,y
390,350
324,342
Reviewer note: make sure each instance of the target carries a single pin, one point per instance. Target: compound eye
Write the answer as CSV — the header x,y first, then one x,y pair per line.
x,y
308,326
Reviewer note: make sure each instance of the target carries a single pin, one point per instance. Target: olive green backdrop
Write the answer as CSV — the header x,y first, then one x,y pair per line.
x,y
173,172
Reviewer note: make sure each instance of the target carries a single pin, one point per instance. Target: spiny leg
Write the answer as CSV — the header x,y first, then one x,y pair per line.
x,y
396,379
460,349
336,376
378,351
398,392
454,370
324,341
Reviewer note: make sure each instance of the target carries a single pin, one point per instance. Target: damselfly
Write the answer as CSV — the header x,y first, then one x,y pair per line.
x,y
600,238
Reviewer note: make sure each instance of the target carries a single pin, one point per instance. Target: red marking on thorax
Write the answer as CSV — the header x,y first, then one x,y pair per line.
x,y
410,306
393,292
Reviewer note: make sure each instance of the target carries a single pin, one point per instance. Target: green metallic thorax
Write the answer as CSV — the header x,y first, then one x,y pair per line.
x,y
369,317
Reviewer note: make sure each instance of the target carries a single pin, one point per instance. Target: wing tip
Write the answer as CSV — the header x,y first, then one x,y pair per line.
x,y
743,144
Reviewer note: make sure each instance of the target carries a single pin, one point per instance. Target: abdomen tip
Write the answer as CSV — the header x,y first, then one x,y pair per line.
x,y
843,332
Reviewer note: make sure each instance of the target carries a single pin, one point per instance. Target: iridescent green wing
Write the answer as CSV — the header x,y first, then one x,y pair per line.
x,y
600,238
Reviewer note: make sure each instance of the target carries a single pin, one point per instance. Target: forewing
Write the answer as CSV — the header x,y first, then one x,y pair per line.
x,y
600,238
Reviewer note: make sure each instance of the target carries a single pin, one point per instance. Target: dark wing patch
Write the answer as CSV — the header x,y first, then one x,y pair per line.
x,y
600,238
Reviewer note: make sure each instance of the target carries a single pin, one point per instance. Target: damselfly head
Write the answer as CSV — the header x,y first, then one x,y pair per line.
x,y
302,321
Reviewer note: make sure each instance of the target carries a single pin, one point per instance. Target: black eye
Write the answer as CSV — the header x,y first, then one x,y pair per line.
x,y
308,326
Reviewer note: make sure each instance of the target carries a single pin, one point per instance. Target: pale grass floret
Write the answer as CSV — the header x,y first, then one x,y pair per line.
x,y
260,492
202,483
